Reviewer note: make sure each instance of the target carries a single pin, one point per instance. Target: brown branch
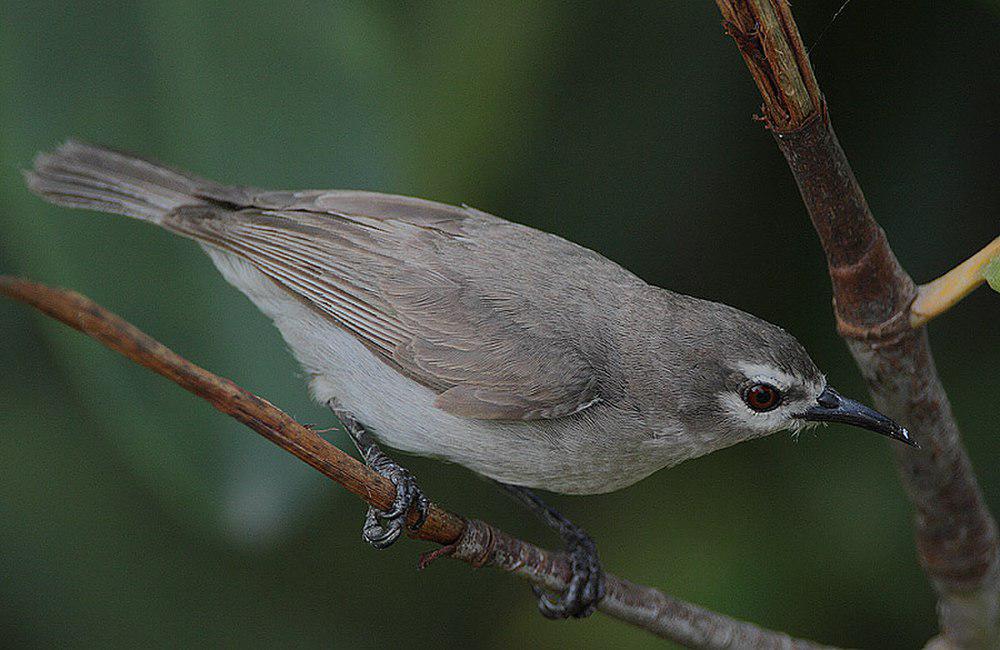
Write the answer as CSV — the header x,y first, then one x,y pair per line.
x,y
956,535
471,541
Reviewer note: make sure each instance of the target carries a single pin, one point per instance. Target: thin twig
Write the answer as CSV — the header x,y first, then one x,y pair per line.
x,y
956,534
939,295
471,541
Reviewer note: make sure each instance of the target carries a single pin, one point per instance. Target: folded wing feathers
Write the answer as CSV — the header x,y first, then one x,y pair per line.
x,y
325,287
472,349
304,264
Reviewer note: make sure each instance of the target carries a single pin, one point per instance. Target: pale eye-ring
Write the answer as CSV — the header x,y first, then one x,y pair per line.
x,y
762,397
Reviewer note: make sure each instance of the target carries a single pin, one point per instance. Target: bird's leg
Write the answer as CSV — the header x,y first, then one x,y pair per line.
x,y
586,587
383,527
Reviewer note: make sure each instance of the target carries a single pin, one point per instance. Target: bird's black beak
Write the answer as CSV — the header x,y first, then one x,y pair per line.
x,y
831,407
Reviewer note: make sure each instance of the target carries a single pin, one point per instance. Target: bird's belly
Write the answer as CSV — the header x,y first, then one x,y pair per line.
x,y
583,454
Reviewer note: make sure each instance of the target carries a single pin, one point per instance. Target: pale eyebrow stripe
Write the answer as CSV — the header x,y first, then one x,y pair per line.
x,y
781,380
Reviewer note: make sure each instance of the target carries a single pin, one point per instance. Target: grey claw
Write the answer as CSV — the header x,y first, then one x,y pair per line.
x,y
586,587
383,528
546,606
423,505
380,535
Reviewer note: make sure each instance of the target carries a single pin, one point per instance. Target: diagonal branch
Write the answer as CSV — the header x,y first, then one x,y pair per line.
x,y
469,540
956,535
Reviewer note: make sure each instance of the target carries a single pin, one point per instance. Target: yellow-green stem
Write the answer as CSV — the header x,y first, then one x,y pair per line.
x,y
938,296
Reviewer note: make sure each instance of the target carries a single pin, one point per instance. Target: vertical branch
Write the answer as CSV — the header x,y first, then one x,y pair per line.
x,y
956,536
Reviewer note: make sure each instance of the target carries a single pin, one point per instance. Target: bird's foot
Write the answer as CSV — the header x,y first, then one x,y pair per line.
x,y
383,527
586,586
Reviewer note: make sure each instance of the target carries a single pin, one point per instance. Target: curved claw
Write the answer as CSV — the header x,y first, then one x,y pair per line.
x,y
404,496
383,527
380,535
423,507
546,606
586,586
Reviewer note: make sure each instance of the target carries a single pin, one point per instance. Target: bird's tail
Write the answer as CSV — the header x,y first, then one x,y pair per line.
x,y
85,176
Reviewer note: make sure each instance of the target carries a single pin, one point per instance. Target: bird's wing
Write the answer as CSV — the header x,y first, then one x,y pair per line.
x,y
384,268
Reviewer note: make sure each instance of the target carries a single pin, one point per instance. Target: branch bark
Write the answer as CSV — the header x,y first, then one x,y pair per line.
x,y
470,540
956,535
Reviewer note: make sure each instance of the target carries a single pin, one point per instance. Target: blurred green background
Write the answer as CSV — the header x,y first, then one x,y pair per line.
x,y
132,513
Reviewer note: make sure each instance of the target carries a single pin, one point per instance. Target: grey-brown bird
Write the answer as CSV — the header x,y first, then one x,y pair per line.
x,y
447,332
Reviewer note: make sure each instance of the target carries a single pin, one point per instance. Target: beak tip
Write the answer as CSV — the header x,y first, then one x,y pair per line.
x,y
832,407
905,436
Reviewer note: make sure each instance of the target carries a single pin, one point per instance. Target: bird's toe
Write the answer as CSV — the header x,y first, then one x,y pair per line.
x,y
586,586
383,527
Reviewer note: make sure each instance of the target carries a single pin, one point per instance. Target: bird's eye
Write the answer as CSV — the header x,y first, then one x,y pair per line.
x,y
762,397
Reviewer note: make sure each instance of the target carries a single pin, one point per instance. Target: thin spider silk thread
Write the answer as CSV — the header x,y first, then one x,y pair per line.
x,y
828,25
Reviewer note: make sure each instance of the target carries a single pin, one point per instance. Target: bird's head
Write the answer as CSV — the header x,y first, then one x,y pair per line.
x,y
772,384
749,378
765,399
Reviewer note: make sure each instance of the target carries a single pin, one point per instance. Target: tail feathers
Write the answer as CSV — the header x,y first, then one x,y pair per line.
x,y
86,176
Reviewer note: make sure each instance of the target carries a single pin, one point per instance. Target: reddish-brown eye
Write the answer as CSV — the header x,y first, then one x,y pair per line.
x,y
762,397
